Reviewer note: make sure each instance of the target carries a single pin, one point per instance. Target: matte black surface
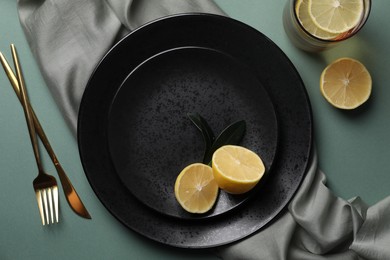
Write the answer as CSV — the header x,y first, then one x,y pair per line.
x,y
151,139
264,60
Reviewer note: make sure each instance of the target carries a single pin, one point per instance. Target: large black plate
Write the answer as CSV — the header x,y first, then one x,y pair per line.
x,y
151,139
264,60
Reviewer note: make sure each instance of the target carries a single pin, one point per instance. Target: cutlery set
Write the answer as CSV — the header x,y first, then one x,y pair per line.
x,y
45,186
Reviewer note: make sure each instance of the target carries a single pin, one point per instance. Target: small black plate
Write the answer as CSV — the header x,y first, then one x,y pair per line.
x,y
151,139
264,60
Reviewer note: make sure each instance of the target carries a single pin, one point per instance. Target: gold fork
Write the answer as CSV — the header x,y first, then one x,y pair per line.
x,y
71,195
45,185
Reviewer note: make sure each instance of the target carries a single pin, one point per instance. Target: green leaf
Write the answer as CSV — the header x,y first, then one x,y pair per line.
x,y
205,129
232,134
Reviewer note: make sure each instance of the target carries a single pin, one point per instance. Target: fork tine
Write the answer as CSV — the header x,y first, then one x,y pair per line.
x,y
50,196
40,206
44,193
55,196
47,199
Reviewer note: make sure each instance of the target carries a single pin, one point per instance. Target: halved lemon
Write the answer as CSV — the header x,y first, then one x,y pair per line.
x,y
236,169
302,11
195,188
336,16
346,83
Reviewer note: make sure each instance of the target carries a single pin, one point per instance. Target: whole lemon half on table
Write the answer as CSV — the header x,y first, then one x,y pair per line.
x,y
346,83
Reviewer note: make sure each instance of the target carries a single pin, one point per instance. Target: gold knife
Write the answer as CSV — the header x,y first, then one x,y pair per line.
x,y
71,195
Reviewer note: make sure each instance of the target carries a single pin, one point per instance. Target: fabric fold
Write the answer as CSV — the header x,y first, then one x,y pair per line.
x,y
335,220
373,239
68,38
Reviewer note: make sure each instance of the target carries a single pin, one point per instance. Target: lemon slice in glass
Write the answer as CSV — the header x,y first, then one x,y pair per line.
x,y
195,188
346,83
302,11
336,16
236,169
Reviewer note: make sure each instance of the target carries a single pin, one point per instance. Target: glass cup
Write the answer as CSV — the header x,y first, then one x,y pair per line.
x,y
303,39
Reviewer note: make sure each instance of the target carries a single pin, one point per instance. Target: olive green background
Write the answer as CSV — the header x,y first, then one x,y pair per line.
x,y
353,146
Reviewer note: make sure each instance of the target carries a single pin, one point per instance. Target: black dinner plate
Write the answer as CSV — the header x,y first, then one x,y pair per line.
x,y
264,61
151,139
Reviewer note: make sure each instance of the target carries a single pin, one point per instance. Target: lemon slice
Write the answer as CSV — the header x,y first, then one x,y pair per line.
x,y
346,83
195,188
336,16
302,11
236,169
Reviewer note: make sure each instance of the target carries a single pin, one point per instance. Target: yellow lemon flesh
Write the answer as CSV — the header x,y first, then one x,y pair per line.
x,y
302,11
346,83
236,169
336,16
195,188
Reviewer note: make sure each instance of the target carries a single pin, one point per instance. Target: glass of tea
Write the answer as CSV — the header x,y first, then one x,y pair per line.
x,y
316,25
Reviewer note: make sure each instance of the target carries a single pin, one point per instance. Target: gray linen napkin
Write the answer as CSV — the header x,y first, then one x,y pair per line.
x,y
69,37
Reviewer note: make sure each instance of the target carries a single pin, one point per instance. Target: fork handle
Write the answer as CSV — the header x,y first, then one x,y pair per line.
x,y
26,108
